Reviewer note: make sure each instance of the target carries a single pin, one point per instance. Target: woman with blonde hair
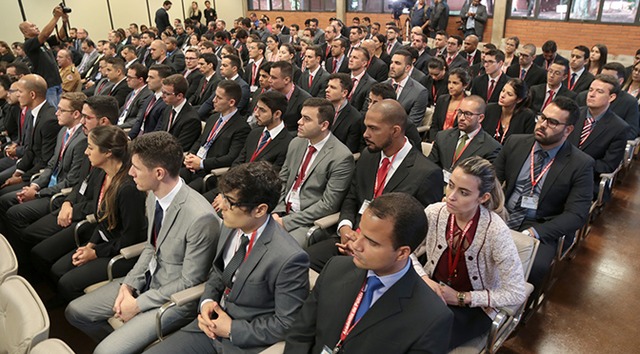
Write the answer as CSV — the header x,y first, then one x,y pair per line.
x,y
194,12
471,259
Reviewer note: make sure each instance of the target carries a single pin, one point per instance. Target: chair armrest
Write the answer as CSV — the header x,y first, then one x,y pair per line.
x,y
423,128
63,193
216,172
606,180
178,299
327,221
356,156
36,175
90,219
132,251
277,348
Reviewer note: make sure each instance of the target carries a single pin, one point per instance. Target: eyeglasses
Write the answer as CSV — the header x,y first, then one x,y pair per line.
x,y
132,77
551,122
467,114
555,72
65,110
232,205
190,58
168,93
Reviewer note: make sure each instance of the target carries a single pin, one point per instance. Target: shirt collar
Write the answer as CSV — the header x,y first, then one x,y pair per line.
x,y
578,73
598,117
275,131
178,108
36,110
389,280
313,74
319,145
401,83
359,77
228,116
472,134
166,201
552,152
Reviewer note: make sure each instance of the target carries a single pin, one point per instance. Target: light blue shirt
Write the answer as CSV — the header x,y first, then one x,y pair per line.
x,y
387,281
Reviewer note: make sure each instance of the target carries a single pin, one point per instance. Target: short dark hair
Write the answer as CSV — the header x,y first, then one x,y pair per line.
x,y
285,67
326,111
275,100
5,82
489,46
21,68
584,49
104,106
159,149
568,105
457,38
345,80
408,59
343,42
179,83
436,63
410,224
117,64
497,53
163,70
383,90
209,58
617,67
317,51
561,63
91,44
611,80
255,183
241,34
235,61
129,47
266,66
140,70
550,46
232,90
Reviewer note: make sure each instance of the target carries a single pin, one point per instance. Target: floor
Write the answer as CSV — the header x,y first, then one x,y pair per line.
x,y
590,309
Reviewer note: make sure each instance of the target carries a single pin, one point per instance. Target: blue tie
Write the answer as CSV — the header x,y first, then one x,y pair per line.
x,y
373,284
263,141
53,180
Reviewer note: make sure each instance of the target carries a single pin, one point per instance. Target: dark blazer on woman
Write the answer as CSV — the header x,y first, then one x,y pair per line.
x,y
440,115
522,122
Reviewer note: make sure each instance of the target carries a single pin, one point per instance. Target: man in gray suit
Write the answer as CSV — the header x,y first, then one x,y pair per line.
x,y
183,232
411,95
317,171
247,305
473,16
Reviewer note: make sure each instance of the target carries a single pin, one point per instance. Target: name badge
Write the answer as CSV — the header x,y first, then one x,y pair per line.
x,y
253,88
202,152
102,236
364,206
529,202
83,187
447,176
153,265
121,119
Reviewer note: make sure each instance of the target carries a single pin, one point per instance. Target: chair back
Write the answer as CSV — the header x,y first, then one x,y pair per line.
x,y
8,260
426,148
24,321
527,249
52,346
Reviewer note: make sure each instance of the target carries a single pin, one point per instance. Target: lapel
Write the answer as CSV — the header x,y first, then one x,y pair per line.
x,y
324,153
361,84
258,252
474,145
298,154
520,155
171,213
273,144
71,142
562,159
401,173
405,90
598,130
341,117
227,126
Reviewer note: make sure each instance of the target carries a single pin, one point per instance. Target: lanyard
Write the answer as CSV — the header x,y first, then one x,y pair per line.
x,y
348,327
453,262
252,240
257,152
504,134
102,191
215,130
380,184
535,181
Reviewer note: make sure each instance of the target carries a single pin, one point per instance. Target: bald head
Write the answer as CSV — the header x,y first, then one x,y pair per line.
x,y
29,29
392,112
32,90
369,45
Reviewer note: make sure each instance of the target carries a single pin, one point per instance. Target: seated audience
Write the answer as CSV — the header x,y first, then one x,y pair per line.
x,y
446,111
361,80
180,119
525,69
549,55
153,107
579,78
489,85
314,79
137,82
543,94
409,92
347,122
510,114
281,80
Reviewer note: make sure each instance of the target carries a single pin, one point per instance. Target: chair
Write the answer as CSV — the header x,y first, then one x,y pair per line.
x,y
23,318
509,317
52,346
8,260
63,193
217,173
426,148
125,253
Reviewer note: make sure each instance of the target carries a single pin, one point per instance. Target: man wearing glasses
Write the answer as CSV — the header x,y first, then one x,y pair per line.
x,y
543,94
179,119
489,85
548,182
525,69
137,82
191,72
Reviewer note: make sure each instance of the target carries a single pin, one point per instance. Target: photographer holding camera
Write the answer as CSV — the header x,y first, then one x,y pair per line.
x,y
43,59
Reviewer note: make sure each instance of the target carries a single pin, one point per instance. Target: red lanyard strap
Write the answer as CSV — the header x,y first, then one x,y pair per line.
x,y
348,327
535,181
453,262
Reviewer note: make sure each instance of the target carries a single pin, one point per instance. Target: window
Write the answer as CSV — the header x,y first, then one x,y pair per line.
x,y
584,10
287,5
456,5
609,11
623,11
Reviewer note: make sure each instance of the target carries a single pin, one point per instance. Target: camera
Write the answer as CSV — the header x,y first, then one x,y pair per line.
x,y
65,9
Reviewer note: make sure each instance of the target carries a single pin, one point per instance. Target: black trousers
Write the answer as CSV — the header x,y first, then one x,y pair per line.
x,y
468,323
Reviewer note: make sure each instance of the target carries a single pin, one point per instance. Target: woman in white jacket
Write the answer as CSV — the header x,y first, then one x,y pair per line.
x,y
471,260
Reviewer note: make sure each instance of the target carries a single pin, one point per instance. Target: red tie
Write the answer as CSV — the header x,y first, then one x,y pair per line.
x,y
23,114
204,86
389,48
254,74
381,176
303,169
170,119
449,60
310,80
549,99
326,55
492,85
586,130
355,84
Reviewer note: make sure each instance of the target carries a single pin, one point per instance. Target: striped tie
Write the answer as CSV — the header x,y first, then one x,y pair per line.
x,y
517,216
586,130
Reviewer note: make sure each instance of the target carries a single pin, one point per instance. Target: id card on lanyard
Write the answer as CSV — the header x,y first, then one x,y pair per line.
x,y
531,201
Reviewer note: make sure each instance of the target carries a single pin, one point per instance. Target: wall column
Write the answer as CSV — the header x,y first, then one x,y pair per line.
x,y
341,10
499,21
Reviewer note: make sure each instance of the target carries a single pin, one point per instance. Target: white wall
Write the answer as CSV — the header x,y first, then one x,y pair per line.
x,y
94,16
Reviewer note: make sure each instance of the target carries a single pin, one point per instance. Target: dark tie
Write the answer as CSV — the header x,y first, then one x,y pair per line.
x,y
235,262
204,87
157,223
523,73
462,142
171,116
23,115
492,86
517,216
572,83
373,284
549,100
263,140
586,130
395,88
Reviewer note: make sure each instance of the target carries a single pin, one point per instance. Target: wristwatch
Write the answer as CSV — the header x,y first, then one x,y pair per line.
x,y
461,298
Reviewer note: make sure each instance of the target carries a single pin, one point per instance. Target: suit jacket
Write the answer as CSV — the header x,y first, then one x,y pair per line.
x,y
40,142
344,66
407,303
325,185
480,87
416,176
444,147
583,82
625,106
421,78
68,167
540,61
476,70
148,122
120,91
522,122
318,85
199,97
480,17
248,72
186,125
348,128
421,62
193,79
102,87
243,105
538,93
412,99
227,144
565,197
458,62
84,195
359,99
134,108
441,88
378,69
184,248
292,115
394,48
477,57
534,76
176,60
269,289
606,143
274,152
162,20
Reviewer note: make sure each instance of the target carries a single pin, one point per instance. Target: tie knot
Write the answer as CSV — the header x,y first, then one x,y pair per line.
x,y
542,154
266,134
550,92
385,162
244,240
373,283
464,136
312,149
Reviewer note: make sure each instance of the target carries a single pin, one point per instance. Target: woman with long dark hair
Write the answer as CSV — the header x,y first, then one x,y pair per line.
x,y
597,59
510,114
444,116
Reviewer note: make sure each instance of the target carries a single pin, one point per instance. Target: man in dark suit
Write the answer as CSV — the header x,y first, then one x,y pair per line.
x,y
407,171
625,105
393,44
117,76
549,55
376,67
317,172
436,82
339,62
453,57
207,86
599,132
405,317
229,67
419,42
579,78
330,33
525,69
222,139
259,276
182,236
470,50
136,79
440,49
468,139
314,79
179,118
192,73
542,95
556,201
361,80
489,85
175,57
144,54
152,109
410,93
162,16
347,121
256,57
281,80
